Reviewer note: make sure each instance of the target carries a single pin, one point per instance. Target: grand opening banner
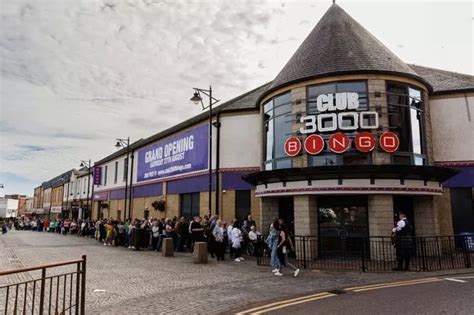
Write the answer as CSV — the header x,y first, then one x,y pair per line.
x,y
184,153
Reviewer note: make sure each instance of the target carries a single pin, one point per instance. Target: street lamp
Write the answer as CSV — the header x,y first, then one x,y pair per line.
x,y
197,99
125,143
88,164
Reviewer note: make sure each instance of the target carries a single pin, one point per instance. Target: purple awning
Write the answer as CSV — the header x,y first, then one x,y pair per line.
x,y
148,190
234,181
191,184
464,179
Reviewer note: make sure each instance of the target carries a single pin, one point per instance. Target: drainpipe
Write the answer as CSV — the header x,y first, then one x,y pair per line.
x,y
130,196
217,124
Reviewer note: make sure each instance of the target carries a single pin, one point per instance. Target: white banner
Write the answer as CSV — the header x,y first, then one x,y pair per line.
x,y
56,209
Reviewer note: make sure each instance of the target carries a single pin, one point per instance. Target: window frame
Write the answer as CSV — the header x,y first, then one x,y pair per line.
x,y
273,161
422,125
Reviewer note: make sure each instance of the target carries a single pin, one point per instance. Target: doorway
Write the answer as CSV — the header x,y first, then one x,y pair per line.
x,y
404,204
286,212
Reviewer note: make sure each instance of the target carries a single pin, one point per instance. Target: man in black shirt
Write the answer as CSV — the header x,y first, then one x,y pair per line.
x,y
197,230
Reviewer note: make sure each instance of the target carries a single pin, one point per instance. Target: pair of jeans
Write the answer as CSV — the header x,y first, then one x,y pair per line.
x,y
274,256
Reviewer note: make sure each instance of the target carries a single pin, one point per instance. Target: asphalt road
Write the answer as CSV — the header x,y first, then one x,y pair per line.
x,y
434,295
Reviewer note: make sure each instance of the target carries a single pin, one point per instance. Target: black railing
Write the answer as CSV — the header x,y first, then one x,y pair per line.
x,y
427,253
34,290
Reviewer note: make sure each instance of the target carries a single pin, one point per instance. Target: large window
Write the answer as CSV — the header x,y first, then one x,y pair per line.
x,y
352,156
116,172
189,205
405,116
277,128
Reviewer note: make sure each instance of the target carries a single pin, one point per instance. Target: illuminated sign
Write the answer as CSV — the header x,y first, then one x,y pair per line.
x,y
338,113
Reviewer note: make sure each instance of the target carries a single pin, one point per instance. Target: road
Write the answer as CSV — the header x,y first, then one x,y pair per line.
x,y
121,281
433,295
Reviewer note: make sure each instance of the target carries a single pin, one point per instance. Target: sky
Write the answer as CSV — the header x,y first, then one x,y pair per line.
x,y
76,75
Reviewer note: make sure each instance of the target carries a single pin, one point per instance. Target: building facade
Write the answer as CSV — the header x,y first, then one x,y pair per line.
x,y
344,138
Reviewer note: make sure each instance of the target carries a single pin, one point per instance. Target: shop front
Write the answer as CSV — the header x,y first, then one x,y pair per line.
x,y
347,140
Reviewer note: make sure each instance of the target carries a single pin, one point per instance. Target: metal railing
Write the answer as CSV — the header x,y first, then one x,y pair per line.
x,y
34,290
377,253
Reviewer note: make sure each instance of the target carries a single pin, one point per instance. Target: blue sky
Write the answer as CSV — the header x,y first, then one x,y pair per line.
x,y
78,74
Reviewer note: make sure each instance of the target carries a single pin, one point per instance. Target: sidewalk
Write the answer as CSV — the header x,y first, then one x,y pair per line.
x,y
146,282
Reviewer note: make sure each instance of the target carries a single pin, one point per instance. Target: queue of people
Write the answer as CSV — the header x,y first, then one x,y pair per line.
x,y
148,234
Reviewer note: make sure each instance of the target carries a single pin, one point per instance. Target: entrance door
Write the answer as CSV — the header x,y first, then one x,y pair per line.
x,y
286,212
342,224
242,204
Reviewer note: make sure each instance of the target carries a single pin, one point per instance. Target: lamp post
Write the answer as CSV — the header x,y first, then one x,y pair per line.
x,y
88,164
197,99
125,143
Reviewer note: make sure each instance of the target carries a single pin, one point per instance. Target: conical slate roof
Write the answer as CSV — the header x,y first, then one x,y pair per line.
x,y
340,45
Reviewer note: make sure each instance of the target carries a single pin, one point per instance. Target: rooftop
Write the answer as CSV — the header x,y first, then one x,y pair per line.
x,y
340,45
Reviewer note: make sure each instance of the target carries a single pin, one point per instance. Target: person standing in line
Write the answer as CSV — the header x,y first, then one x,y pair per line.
x,y
155,235
236,242
284,246
219,245
197,231
403,242
229,237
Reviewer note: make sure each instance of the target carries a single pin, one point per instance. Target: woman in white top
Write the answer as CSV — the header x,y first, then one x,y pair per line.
x,y
218,233
236,239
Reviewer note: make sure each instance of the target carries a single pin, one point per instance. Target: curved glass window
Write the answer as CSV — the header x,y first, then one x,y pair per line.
x,y
352,156
405,117
277,128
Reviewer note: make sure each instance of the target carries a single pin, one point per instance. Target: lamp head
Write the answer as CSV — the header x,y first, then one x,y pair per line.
x,y
82,164
196,99
118,145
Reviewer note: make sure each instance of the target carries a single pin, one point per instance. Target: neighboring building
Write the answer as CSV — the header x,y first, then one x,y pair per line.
x,y
21,203
29,206
343,139
81,193
38,201
47,189
8,208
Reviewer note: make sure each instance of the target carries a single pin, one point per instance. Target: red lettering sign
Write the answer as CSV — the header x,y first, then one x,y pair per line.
x,y
364,141
389,141
314,144
339,142
292,146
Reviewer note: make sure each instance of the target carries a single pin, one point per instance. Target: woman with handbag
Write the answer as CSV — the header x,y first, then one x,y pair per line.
x,y
284,246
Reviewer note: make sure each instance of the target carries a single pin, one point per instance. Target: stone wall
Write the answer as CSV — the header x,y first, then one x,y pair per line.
x,y
426,216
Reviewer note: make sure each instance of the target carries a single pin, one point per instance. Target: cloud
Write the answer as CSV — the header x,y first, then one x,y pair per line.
x,y
75,75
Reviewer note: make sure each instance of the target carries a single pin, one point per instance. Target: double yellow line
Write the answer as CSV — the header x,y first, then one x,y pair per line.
x,y
278,305
392,284
322,295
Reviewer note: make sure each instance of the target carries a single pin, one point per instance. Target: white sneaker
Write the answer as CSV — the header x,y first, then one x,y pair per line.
x,y
105,244
238,260
278,274
275,270
241,258
297,271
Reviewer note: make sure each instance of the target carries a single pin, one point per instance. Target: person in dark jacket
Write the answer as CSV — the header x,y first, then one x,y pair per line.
x,y
403,242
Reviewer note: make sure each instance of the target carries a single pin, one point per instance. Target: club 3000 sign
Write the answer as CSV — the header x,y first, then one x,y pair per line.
x,y
335,115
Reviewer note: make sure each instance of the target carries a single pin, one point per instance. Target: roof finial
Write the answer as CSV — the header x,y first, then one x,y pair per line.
x,y
333,1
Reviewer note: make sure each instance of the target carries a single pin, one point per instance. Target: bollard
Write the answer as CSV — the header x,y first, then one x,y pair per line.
x,y
200,253
167,247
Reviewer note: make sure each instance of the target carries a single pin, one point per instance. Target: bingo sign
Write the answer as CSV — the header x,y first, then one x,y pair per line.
x,y
337,114
184,153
